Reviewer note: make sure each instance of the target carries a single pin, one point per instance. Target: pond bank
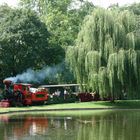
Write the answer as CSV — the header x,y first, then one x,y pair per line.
x,y
100,105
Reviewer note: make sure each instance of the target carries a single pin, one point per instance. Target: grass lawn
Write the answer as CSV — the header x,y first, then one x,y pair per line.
x,y
123,104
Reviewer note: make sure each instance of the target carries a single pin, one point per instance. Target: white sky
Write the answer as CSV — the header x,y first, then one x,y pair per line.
x,y
103,3
9,2
106,3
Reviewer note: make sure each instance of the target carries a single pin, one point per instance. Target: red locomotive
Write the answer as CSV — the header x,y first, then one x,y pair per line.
x,y
18,94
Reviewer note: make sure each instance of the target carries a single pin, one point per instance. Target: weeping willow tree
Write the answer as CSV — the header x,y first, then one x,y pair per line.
x,y
105,57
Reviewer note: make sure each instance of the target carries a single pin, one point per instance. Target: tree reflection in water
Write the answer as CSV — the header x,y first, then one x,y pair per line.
x,y
119,125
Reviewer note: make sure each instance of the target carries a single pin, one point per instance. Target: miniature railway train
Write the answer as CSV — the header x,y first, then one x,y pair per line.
x,y
23,94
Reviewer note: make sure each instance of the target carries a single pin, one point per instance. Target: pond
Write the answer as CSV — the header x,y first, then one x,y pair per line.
x,y
75,125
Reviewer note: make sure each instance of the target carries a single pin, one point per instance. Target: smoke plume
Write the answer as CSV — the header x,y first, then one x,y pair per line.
x,y
37,76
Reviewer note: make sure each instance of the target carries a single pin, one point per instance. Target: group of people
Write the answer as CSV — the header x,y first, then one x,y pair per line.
x,y
61,96
58,93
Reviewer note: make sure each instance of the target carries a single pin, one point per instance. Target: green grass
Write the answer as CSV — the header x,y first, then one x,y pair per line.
x,y
125,104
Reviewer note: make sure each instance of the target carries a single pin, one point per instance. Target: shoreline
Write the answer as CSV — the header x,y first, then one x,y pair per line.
x,y
82,106
72,109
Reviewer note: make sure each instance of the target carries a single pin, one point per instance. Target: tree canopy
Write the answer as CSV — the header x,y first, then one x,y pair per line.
x,y
62,18
24,42
106,56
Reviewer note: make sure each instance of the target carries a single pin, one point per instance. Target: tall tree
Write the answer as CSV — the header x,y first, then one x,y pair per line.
x,y
24,42
63,20
105,56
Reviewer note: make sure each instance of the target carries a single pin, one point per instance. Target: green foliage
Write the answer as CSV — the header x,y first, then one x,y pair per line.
x,y
24,42
93,82
63,20
92,61
134,8
111,53
103,82
61,17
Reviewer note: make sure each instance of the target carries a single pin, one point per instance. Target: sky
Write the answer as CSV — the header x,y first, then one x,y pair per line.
x,y
102,3
9,2
106,3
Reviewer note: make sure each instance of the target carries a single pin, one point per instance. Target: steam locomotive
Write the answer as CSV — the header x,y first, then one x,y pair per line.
x,y
22,94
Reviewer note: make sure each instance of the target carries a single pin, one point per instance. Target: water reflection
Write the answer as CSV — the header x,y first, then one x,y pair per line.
x,y
120,125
